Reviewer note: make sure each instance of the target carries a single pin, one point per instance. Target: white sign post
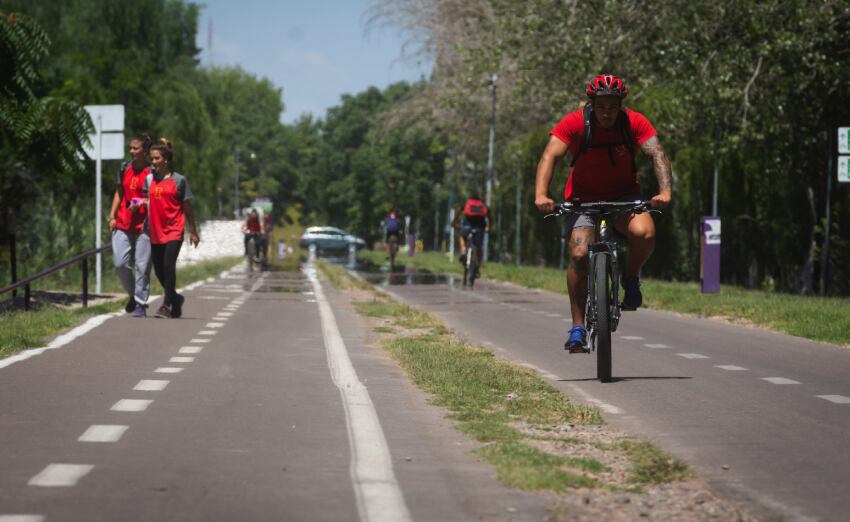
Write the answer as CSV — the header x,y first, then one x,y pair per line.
x,y
844,140
106,143
844,169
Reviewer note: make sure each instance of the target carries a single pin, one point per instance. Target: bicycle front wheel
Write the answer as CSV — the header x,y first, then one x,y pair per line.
x,y
602,300
472,265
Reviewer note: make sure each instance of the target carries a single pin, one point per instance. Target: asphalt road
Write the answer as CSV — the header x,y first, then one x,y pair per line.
x,y
762,416
254,406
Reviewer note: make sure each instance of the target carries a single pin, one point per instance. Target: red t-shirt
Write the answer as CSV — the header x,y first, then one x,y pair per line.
x,y
131,185
165,208
253,225
593,178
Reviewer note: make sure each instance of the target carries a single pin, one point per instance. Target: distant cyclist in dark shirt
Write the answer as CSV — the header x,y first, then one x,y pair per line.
x,y
473,216
393,227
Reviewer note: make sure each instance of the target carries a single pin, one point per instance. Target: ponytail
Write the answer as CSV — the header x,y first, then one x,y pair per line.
x,y
145,140
165,148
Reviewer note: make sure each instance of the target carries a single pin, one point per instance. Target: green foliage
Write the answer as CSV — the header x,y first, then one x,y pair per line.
x,y
755,86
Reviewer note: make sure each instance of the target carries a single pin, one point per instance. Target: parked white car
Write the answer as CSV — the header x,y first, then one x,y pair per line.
x,y
329,238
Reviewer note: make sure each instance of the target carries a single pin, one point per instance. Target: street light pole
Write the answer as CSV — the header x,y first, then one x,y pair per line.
x,y
236,185
489,195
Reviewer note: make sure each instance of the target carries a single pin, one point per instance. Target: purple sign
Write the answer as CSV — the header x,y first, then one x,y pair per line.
x,y
709,254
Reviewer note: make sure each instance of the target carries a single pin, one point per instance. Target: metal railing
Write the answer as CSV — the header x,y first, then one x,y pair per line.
x,y
80,258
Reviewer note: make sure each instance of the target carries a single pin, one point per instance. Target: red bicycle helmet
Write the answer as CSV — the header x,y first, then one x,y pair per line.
x,y
606,85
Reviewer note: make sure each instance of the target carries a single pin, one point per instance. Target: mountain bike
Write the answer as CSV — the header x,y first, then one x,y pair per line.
x,y
470,268
255,253
602,312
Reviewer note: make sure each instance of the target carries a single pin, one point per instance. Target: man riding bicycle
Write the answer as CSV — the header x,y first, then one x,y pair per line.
x,y
393,229
601,139
475,216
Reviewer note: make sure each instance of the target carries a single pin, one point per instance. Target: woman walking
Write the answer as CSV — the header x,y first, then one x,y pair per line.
x,y
170,204
130,237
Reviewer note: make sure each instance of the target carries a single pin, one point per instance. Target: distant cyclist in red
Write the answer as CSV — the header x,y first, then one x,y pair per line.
x,y
473,216
131,244
601,139
170,204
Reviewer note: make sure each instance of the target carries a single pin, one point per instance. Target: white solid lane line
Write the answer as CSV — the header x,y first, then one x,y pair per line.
x,y
181,359
731,368
656,346
207,332
134,405
200,341
22,518
103,433
837,399
168,369
692,355
779,380
61,475
378,494
191,349
150,385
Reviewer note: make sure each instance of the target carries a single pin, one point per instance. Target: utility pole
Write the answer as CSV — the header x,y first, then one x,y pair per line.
x,y
236,185
489,196
437,220
517,234
716,174
824,263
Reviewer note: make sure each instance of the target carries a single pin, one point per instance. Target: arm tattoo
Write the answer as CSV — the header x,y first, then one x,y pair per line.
x,y
660,163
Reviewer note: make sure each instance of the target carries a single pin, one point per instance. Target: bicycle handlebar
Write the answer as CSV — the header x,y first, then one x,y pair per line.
x,y
601,207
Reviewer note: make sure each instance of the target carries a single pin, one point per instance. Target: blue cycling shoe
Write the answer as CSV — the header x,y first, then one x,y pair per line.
x,y
632,298
577,341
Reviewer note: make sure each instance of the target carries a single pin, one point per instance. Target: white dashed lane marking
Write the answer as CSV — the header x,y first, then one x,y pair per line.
x,y
779,380
200,341
224,314
731,368
191,349
181,359
656,346
60,475
692,355
837,399
168,369
150,385
632,338
103,433
134,405
22,518
215,325
207,332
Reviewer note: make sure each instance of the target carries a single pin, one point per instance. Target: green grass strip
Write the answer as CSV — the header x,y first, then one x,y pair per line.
x,y
825,319
489,396
20,330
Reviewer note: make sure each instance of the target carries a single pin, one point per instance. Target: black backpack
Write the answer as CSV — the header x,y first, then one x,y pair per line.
x,y
622,124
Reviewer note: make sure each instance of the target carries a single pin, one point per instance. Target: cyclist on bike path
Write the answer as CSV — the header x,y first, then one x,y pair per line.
x,y
474,215
393,227
604,170
253,225
131,243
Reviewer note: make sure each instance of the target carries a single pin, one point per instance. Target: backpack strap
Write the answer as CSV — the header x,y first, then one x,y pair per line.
x,y
587,136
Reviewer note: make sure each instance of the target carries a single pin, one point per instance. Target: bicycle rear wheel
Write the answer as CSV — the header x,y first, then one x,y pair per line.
x,y
602,300
471,271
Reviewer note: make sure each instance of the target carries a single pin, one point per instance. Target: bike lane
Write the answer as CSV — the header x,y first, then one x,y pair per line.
x,y
229,413
762,416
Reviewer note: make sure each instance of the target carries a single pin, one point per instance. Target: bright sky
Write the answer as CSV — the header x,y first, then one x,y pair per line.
x,y
316,50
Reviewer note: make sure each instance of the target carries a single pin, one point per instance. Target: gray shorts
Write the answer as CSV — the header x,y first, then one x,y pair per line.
x,y
586,221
